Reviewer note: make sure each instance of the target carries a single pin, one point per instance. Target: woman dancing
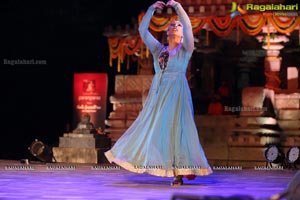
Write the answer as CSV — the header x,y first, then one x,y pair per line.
x,y
163,140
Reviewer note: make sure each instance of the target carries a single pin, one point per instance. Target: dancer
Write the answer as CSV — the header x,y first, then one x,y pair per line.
x,y
163,140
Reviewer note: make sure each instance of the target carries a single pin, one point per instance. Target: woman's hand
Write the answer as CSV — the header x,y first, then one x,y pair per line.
x,y
171,3
159,5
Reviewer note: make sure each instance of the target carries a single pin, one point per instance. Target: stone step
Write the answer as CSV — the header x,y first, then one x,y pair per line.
x,y
250,130
132,85
252,140
291,132
291,141
247,154
79,155
288,91
261,121
125,99
232,121
128,107
118,122
115,122
82,141
258,113
211,121
286,101
123,115
115,130
289,124
289,114
214,151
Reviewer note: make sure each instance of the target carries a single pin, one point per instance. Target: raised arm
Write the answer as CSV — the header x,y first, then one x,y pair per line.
x,y
151,42
188,36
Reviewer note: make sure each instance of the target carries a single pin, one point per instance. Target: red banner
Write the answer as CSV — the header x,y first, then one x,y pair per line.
x,y
90,92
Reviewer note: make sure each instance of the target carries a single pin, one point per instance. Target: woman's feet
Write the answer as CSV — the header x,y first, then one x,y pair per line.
x,y
177,181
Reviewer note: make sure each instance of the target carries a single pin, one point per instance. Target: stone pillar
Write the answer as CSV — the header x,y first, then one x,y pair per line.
x,y
272,44
272,69
292,78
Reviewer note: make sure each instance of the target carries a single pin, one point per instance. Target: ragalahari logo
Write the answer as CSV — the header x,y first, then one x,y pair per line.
x,y
236,10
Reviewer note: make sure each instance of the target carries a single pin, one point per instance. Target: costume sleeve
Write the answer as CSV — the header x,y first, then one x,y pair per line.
x,y
151,42
188,36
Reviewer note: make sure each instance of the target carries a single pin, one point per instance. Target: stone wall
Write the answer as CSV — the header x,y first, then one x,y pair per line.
x,y
130,93
231,140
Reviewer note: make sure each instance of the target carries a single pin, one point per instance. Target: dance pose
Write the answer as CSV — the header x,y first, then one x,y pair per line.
x,y
163,140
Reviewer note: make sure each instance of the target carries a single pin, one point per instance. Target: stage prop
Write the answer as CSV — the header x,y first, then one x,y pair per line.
x,y
90,93
293,157
274,155
85,126
84,145
41,151
87,142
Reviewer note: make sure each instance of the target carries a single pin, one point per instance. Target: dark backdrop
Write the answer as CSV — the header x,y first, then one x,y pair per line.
x,y
36,99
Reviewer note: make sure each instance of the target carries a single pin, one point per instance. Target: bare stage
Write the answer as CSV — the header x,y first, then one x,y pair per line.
x,y
83,181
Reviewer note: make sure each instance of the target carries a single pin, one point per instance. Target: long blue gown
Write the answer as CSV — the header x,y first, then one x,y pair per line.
x,y
163,140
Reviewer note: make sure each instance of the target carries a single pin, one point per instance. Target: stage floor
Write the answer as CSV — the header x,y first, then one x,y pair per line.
x,y
87,181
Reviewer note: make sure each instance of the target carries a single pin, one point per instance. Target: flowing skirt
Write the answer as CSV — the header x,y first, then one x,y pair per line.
x,y
163,140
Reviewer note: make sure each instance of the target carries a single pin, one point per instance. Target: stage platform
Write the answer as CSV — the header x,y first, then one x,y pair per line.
x,y
38,180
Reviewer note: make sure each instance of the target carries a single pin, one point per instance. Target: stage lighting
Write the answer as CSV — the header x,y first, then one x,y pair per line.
x,y
293,155
274,154
41,151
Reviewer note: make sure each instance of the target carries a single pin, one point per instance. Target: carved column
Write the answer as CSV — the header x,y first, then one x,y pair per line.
x,y
272,44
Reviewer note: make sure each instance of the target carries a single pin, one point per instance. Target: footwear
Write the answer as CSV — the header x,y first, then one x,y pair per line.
x,y
177,181
190,177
